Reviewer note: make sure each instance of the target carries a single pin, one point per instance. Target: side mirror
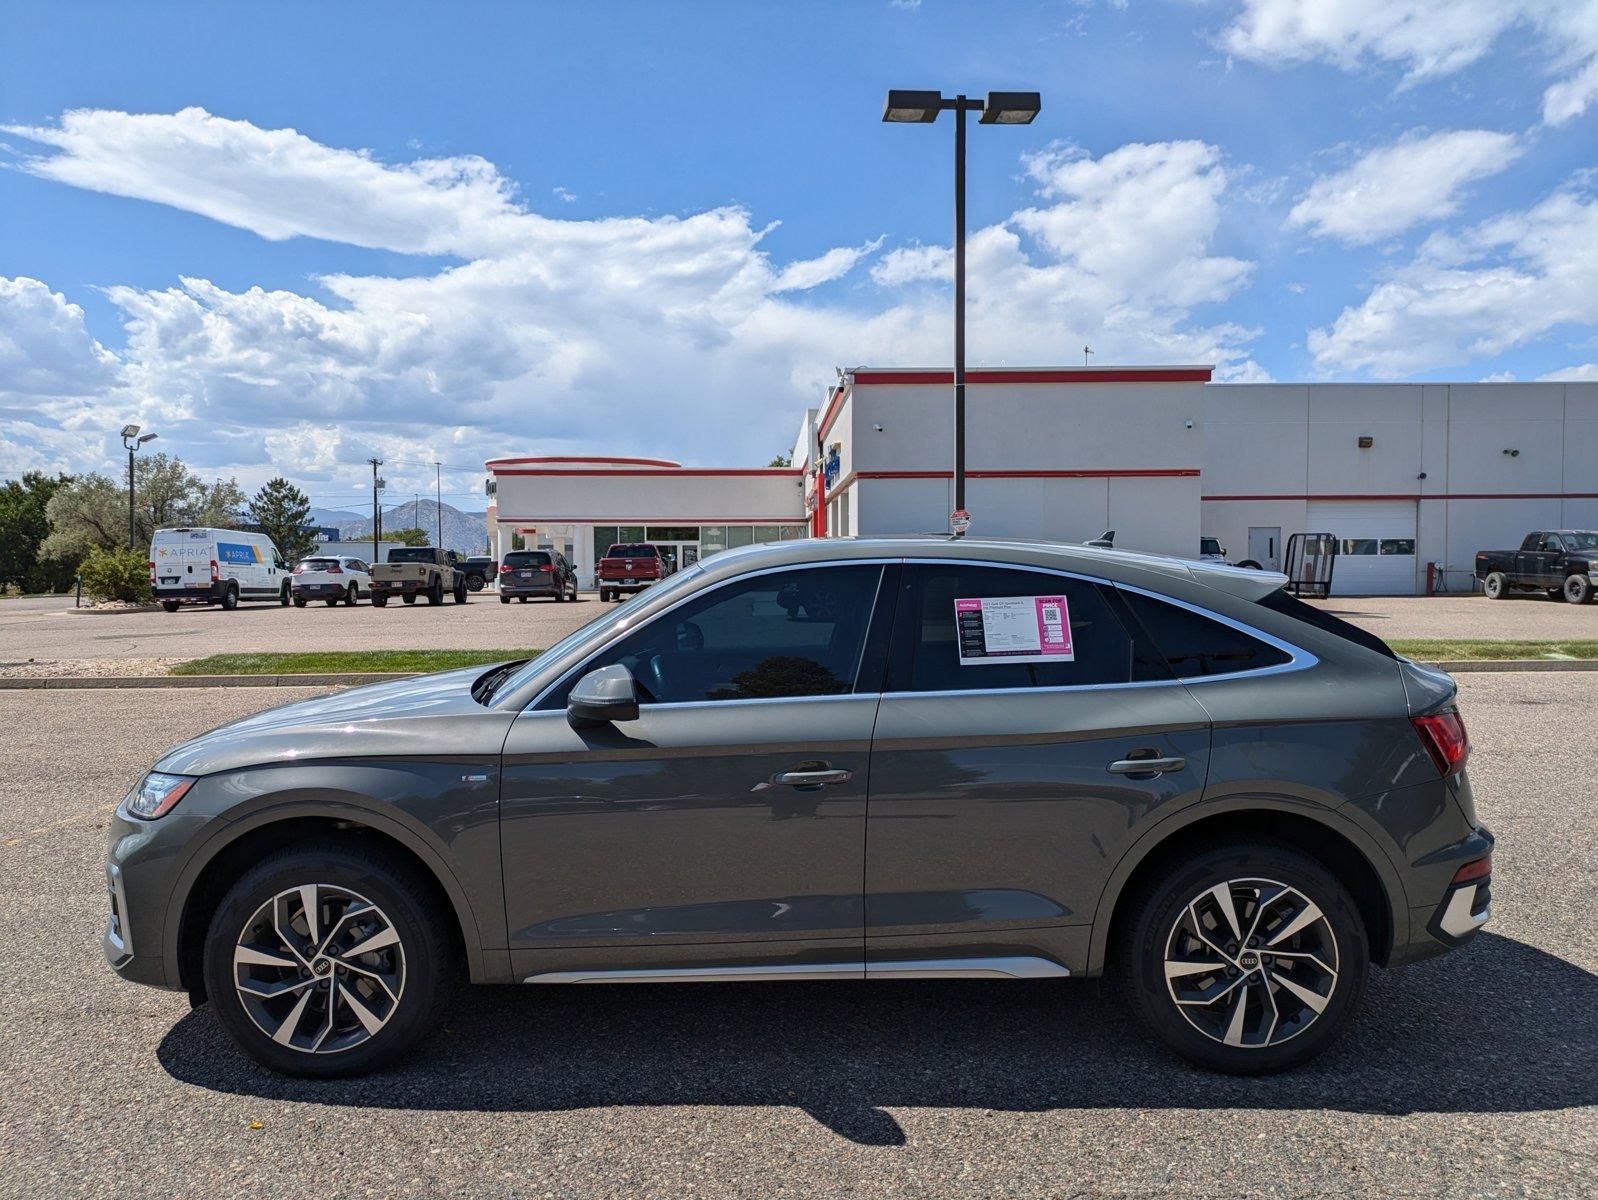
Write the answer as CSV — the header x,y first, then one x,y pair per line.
x,y
603,696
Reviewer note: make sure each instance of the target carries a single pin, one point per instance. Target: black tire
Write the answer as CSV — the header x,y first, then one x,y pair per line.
x,y
1251,565
283,595
379,601
351,595
410,597
504,599
425,949
230,597
460,592
1151,926
170,605
435,593
1578,590
1495,586
475,583
330,601
604,595
299,602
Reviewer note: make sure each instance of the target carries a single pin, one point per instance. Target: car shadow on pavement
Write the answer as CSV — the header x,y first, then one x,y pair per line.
x,y
1498,1027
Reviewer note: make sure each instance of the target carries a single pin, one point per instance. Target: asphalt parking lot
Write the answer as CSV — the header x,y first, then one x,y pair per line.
x,y
1467,1075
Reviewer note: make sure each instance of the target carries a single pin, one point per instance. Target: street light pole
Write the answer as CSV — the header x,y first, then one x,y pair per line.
x,y
133,440
377,531
922,108
438,504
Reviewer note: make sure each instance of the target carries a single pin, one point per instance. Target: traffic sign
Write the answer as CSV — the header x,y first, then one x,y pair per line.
x,y
959,520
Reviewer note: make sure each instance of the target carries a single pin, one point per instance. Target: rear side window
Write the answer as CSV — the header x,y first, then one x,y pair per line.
x,y
1196,646
318,564
1291,606
927,654
412,554
527,558
631,551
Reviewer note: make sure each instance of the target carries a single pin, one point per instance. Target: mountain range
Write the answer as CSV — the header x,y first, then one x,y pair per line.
x,y
463,531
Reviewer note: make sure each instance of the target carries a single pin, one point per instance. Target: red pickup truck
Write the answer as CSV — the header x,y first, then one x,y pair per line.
x,y
629,567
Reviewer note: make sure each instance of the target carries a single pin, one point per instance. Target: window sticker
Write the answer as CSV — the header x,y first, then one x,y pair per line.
x,y
1009,629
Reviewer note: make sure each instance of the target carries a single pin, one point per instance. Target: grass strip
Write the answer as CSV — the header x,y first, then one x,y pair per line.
x,y
1459,649
313,662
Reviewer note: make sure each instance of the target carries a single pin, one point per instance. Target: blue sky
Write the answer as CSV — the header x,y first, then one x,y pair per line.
x,y
289,236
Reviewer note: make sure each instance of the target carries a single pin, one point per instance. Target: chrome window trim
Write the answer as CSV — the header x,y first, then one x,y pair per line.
x,y
1299,658
532,705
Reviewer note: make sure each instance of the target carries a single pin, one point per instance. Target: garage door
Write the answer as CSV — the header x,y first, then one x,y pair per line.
x,y
1376,551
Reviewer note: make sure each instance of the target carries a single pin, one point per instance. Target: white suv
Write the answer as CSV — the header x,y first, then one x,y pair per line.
x,y
331,579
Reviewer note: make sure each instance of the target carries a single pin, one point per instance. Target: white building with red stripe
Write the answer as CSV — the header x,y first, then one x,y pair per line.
x,y
1403,475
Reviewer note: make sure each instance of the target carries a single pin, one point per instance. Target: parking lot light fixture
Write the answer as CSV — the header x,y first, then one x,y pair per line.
x,y
132,440
906,107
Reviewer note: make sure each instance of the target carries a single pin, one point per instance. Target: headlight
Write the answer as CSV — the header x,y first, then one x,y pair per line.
x,y
156,795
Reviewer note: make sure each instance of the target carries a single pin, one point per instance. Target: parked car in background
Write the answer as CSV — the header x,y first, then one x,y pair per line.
x,y
413,571
1211,550
1552,562
1079,763
330,578
628,567
526,574
198,565
480,570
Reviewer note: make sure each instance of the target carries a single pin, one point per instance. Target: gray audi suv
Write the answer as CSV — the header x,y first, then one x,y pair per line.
x,y
892,758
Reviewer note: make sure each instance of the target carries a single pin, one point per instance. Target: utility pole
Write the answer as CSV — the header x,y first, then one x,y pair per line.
x,y
377,516
438,488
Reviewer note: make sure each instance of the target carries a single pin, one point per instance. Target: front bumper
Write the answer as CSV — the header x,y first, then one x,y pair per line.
x,y
143,862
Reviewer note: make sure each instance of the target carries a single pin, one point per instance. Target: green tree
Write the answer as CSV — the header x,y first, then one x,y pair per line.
x,y
781,460
92,510
410,537
283,513
23,528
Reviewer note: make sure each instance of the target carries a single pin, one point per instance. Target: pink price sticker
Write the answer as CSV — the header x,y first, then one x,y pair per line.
x,y
997,629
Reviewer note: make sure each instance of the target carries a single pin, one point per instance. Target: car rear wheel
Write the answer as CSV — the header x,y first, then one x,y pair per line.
x,y
410,597
460,591
1244,957
299,602
332,600
435,594
230,597
283,595
475,583
1578,589
379,601
604,595
328,960
170,605
1495,586
504,599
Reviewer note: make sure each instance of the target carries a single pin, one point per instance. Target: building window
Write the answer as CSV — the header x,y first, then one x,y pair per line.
x,y
604,538
673,533
793,532
712,540
631,533
739,535
1398,545
1360,546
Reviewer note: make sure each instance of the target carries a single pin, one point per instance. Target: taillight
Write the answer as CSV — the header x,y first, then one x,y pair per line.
x,y
299,570
1472,871
1445,739
216,571
504,569
152,574
545,569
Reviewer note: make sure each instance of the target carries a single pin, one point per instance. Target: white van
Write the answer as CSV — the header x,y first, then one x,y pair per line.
x,y
215,566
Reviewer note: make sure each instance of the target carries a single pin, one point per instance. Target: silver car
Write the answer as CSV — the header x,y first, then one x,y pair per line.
x,y
840,759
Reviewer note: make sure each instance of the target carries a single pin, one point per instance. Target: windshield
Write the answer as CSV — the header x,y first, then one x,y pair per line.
x,y
1582,539
624,550
601,624
1209,545
424,554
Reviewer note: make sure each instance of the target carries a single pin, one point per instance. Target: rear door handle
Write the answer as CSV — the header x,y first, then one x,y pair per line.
x,y
1146,768
813,779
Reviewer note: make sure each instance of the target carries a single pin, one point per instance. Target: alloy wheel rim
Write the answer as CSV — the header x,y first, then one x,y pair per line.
x,y
319,969
1251,963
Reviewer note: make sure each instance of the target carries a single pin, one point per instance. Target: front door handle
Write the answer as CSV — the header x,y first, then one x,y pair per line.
x,y
1146,768
812,779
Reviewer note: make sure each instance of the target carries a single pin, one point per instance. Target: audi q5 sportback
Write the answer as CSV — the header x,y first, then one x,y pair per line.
x,y
834,759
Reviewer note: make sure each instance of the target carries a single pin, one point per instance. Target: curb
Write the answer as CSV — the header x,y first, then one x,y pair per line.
x,y
357,678
86,682
112,612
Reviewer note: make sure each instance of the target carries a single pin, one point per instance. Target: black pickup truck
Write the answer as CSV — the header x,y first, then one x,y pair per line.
x,y
1554,562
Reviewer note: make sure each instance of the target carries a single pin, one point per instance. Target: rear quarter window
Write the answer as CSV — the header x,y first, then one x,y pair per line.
x,y
1196,646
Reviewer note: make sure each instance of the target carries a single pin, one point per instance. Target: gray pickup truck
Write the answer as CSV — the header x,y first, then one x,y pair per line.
x,y
413,571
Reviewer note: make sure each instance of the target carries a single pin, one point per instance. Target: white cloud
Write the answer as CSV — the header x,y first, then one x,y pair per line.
x,y
1503,283
1585,373
670,335
1426,38
1393,188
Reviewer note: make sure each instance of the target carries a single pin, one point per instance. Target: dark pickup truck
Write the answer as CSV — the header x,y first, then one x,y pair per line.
x,y
1554,562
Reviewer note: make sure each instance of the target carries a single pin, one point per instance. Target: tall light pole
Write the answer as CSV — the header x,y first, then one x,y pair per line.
x,y
132,439
438,504
922,108
377,516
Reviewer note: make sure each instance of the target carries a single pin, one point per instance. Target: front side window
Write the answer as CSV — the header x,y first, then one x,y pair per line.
x,y
1194,645
1035,630
774,636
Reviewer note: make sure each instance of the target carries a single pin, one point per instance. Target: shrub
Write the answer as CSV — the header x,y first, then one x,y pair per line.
x,y
117,575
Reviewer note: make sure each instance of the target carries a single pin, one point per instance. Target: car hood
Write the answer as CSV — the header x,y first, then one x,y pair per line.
x,y
432,716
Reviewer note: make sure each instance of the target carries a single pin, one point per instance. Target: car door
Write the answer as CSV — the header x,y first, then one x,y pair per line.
x,y
1005,777
725,827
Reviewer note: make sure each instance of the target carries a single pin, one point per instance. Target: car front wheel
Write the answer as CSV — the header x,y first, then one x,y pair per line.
x,y
328,960
1244,957
1578,589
